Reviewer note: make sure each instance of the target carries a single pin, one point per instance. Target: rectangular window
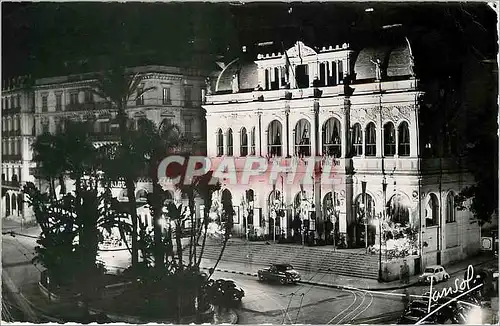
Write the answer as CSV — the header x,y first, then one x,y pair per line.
x,y
302,75
73,98
6,104
58,102
188,124
140,99
187,97
166,96
44,103
45,127
59,127
18,100
12,102
89,97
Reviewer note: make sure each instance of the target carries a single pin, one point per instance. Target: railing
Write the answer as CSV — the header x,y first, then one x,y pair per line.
x,y
13,110
87,106
15,184
297,93
8,133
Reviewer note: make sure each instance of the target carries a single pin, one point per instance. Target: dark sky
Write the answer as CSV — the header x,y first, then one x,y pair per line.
x,y
55,38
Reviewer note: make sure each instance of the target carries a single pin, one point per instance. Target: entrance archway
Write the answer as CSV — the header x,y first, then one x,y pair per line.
x,y
365,231
398,209
331,212
275,205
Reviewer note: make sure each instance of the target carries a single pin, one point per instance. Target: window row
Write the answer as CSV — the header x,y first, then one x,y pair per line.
x,y
11,147
331,139
13,124
246,147
12,102
432,215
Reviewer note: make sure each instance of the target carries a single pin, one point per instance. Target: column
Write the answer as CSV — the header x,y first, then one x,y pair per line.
x,y
237,142
224,147
258,136
314,133
287,113
261,77
379,133
279,77
396,134
292,143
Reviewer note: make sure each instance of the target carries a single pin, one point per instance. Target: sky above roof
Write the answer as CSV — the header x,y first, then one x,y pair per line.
x,y
46,39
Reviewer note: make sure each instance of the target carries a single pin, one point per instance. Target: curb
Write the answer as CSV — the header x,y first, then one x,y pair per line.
x,y
342,287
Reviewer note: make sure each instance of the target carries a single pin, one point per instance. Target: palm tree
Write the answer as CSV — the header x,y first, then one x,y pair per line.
x,y
118,86
154,143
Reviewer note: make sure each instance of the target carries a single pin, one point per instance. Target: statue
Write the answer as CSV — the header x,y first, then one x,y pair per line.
x,y
208,86
234,84
412,64
378,71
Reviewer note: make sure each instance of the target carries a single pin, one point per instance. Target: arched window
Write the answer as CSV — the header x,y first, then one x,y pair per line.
x,y
252,142
357,140
141,196
302,138
13,202
331,206
450,208
275,205
14,179
274,142
403,139
20,203
243,142
220,143
389,139
432,211
229,142
227,205
331,138
398,209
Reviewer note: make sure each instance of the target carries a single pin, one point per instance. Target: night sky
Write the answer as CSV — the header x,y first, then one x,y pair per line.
x,y
44,39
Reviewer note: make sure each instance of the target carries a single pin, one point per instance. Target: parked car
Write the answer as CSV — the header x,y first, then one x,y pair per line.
x,y
436,273
225,290
284,273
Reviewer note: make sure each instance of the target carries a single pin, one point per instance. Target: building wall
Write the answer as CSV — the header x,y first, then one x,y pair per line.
x,y
406,174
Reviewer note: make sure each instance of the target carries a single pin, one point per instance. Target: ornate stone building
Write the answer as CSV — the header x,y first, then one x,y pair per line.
x,y
51,101
364,108
18,133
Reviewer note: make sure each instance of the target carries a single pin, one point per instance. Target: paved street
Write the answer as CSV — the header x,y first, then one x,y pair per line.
x,y
264,302
267,303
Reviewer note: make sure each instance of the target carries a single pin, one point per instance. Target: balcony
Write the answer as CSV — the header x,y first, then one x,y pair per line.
x,y
86,106
10,111
105,136
12,158
309,92
11,133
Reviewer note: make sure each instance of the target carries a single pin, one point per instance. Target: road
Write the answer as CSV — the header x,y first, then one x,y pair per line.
x,y
263,303
306,304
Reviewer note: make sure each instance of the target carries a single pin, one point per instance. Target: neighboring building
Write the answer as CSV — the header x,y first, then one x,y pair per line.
x,y
52,101
366,108
18,134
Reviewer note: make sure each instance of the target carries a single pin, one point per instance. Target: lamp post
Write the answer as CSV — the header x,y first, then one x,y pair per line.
x,y
363,188
384,190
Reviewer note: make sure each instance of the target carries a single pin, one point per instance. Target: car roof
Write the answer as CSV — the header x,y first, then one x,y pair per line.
x,y
435,266
282,265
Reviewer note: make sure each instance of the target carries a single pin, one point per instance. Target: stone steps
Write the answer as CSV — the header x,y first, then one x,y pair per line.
x,y
358,264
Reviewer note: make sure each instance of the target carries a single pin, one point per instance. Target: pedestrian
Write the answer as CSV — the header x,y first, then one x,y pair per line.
x,y
406,272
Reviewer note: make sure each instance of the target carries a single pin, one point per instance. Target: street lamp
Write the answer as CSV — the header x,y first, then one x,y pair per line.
x,y
384,190
363,188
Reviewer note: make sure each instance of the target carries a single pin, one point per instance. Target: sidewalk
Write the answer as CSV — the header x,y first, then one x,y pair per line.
x,y
31,230
329,279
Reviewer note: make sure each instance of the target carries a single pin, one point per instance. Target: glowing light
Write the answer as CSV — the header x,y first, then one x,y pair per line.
x,y
475,316
369,10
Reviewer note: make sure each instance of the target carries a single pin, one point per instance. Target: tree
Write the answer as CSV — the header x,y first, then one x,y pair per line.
x,y
71,225
118,86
